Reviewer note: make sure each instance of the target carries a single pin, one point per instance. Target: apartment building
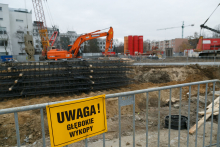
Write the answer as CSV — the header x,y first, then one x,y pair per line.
x,y
174,43
14,23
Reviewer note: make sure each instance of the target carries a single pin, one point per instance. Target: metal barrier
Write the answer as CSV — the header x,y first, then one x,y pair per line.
x,y
128,98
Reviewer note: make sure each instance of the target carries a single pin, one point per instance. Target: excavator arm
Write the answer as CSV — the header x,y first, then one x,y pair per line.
x,y
93,35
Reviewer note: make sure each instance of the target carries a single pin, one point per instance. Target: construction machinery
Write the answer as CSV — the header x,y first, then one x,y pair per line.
x,y
73,52
208,46
42,28
49,52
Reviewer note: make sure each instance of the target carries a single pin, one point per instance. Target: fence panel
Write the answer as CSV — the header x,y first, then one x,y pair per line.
x,y
128,98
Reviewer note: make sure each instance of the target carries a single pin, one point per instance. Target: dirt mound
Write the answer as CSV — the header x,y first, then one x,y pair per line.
x,y
159,77
169,74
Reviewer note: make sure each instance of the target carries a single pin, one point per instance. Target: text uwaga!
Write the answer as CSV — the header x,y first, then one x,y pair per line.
x,y
78,114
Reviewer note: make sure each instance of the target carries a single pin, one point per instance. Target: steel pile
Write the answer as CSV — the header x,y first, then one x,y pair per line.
x,y
21,79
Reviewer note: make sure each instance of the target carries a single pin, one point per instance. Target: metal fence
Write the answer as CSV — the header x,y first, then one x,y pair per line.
x,y
128,98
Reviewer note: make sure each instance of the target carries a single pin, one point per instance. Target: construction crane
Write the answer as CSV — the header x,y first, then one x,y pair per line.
x,y
183,26
208,46
202,26
74,49
42,28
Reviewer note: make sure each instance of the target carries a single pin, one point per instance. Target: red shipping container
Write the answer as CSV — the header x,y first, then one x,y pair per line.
x,y
130,44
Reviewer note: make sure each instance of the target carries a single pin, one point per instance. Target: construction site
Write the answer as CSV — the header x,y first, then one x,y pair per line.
x,y
140,78
151,97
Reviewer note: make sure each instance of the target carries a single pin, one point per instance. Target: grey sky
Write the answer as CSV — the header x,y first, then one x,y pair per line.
x,y
129,17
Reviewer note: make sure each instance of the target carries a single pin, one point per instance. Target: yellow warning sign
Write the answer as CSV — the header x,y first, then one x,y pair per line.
x,y
76,120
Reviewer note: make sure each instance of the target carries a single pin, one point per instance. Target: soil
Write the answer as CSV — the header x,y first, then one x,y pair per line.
x,y
144,77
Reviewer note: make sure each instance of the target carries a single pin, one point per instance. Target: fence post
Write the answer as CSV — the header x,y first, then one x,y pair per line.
x,y
214,59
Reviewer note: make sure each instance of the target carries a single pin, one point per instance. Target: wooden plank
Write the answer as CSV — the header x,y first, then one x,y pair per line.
x,y
208,114
216,101
216,113
200,122
210,110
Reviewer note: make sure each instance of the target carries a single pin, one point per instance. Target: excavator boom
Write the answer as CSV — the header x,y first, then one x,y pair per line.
x,y
73,52
109,38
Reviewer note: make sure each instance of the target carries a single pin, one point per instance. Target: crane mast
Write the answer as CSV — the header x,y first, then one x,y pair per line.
x,y
41,24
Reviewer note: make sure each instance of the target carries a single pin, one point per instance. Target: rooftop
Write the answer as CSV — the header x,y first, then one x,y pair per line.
x,y
19,10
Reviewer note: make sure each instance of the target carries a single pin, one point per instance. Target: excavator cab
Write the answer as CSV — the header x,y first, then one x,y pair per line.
x,y
69,47
79,54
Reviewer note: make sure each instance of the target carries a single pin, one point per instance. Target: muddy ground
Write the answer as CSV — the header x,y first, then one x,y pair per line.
x,y
144,77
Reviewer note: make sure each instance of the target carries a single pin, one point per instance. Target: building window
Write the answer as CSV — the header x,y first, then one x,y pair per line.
x,y
19,20
3,30
1,18
0,8
3,43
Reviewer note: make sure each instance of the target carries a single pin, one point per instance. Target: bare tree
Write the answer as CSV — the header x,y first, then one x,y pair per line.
x,y
120,48
193,39
116,42
20,36
185,45
216,35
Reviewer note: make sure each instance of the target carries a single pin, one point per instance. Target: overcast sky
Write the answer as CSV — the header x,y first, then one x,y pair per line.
x,y
128,17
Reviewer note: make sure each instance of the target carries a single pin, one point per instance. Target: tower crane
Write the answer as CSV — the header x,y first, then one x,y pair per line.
x,y
183,26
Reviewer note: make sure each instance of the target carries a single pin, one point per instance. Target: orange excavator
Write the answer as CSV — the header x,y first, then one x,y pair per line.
x,y
54,54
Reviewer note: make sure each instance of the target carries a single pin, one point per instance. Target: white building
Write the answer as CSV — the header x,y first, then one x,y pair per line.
x,y
14,23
